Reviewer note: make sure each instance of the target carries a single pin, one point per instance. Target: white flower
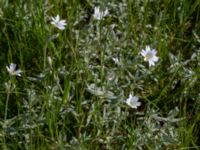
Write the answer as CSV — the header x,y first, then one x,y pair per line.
x,y
132,101
60,24
150,56
49,61
116,60
12,71
99,14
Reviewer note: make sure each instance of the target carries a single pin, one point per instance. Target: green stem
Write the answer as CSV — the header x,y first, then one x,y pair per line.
x,y
6,109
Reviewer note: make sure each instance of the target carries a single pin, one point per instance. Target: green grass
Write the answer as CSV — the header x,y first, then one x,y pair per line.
x,y
78,100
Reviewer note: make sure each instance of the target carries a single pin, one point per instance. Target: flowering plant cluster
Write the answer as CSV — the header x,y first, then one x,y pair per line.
x,y
99,74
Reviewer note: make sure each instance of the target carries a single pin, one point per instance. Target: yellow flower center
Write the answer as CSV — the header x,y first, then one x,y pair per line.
x,y
148,56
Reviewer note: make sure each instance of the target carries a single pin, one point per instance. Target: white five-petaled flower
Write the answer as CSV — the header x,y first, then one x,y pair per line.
x,y
60,24
133,102
150,56
12,70
99,14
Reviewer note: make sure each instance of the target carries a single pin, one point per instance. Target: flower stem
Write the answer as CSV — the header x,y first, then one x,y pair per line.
x,y
6,109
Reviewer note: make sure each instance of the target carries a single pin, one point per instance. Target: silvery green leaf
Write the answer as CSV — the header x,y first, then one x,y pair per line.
x,y
100,92
95,90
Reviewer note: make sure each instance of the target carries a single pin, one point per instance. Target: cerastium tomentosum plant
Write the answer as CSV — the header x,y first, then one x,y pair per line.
x,y
78,96
59,23
98,14
133,102
149,55
12,70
